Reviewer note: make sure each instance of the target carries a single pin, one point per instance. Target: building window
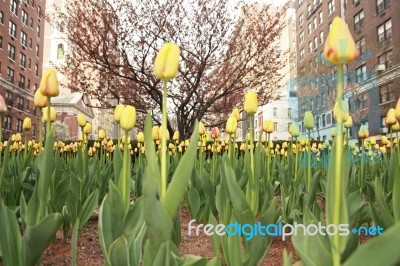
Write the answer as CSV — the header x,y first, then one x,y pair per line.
x,y
317,122
275,112
7,122
317,100
30,43
37,50
386,93
303,108
14,7
301,19
385,31
312,104
9,98
309,28
11,52
310,47
1,17
12,29
24,17
38,31
315,42
10,74
20,103
360,44
29,63
36,70
19,125
22,60
321,17
31,24
301,54
315,23
39,10
275,126
323,120
359,20
60,51
386,59
321,38
29,86
1,42
381,5
21,82
301,36
331,7
24,39
361,73
323,97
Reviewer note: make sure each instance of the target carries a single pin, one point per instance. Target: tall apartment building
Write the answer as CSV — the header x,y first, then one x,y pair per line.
x,y
21,56
371,81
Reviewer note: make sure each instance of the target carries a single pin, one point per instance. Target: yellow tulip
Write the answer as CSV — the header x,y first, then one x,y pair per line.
x,y
102,134
363,132
349,122
202,129
128,118
372,141
382,150
250,103
340,47
81,120
166,133
27,124
88,128
384,140
398,110
18,137
341,111
52,114
118,111
391,117
231,125
294,130
155,133
268,126
236,114
167,62
309,122
39,99
49,84
396,127
140,137
176,135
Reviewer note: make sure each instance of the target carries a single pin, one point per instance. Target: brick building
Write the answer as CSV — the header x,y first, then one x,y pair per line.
x,y
21,55
371,82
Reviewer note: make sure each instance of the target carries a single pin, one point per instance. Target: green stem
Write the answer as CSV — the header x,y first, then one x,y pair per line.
x,y
295,162
337,205
124,179
268,158
26,146
1,127
48,128
40,127
164,143
309,162
252,182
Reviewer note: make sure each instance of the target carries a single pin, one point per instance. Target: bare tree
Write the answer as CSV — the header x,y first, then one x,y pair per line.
x,y
227,47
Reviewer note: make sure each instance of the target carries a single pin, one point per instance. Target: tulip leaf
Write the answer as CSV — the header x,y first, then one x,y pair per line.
x,y
119,252
38,237
180,179
382,250
88,208
46,166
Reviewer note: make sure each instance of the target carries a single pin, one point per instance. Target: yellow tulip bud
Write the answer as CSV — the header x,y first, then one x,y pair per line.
x,y
236,114
340,47
140,137
363,132
155,133
397,113
18,137
391,117
52,114
128,118
384,140
202,129
166,133
294,130
382,150
373,141
27,124
3,105
349,122
341,111
81,120
88,128
118,111
309,122
176,135
268,126
39,99
396,127
167,62
231,125
186,143
250,103
49,84
102,134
